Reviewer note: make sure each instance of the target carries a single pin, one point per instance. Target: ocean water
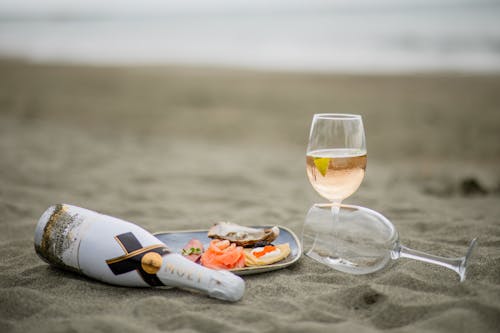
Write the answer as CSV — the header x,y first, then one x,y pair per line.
x,y
345,36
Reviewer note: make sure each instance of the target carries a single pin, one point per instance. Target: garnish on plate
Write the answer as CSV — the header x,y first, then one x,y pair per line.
x,y
262,251
193,250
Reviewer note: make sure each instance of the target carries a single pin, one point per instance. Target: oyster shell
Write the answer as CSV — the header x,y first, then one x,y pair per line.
x,y
243,236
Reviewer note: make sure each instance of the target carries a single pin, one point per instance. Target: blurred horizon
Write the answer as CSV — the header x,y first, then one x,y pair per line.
x,y
294,35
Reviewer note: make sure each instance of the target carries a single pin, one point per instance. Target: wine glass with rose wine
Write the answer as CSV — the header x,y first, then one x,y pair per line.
x,y
336,156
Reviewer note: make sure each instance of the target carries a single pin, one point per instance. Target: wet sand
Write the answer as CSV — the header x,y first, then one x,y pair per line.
x,y
173,148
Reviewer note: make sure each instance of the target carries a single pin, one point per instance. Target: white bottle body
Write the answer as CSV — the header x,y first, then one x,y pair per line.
x,y
121,253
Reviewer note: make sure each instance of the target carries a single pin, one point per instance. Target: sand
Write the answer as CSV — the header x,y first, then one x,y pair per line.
x,y
179,148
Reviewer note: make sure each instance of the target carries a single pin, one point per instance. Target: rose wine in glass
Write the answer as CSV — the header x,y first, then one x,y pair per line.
x,y
336,173
336,156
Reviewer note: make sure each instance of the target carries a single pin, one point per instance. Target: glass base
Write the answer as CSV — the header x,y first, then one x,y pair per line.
x,y
331,261
347,266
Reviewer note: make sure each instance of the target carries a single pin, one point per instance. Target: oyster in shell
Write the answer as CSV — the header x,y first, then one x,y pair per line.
x,y
243,236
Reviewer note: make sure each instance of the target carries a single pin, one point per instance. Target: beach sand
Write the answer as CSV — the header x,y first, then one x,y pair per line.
x,y
173,148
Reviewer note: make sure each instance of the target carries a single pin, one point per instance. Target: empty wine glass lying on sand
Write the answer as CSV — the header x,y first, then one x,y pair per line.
x,y
336,156
363,241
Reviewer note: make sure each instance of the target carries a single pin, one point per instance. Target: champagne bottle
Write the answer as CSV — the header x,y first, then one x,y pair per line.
x,y
121,253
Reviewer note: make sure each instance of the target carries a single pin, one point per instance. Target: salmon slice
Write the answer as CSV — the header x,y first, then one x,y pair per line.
x,y
221,254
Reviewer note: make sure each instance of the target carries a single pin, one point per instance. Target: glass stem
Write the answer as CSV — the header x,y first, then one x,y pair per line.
x,y
336,210
458,265
333,227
